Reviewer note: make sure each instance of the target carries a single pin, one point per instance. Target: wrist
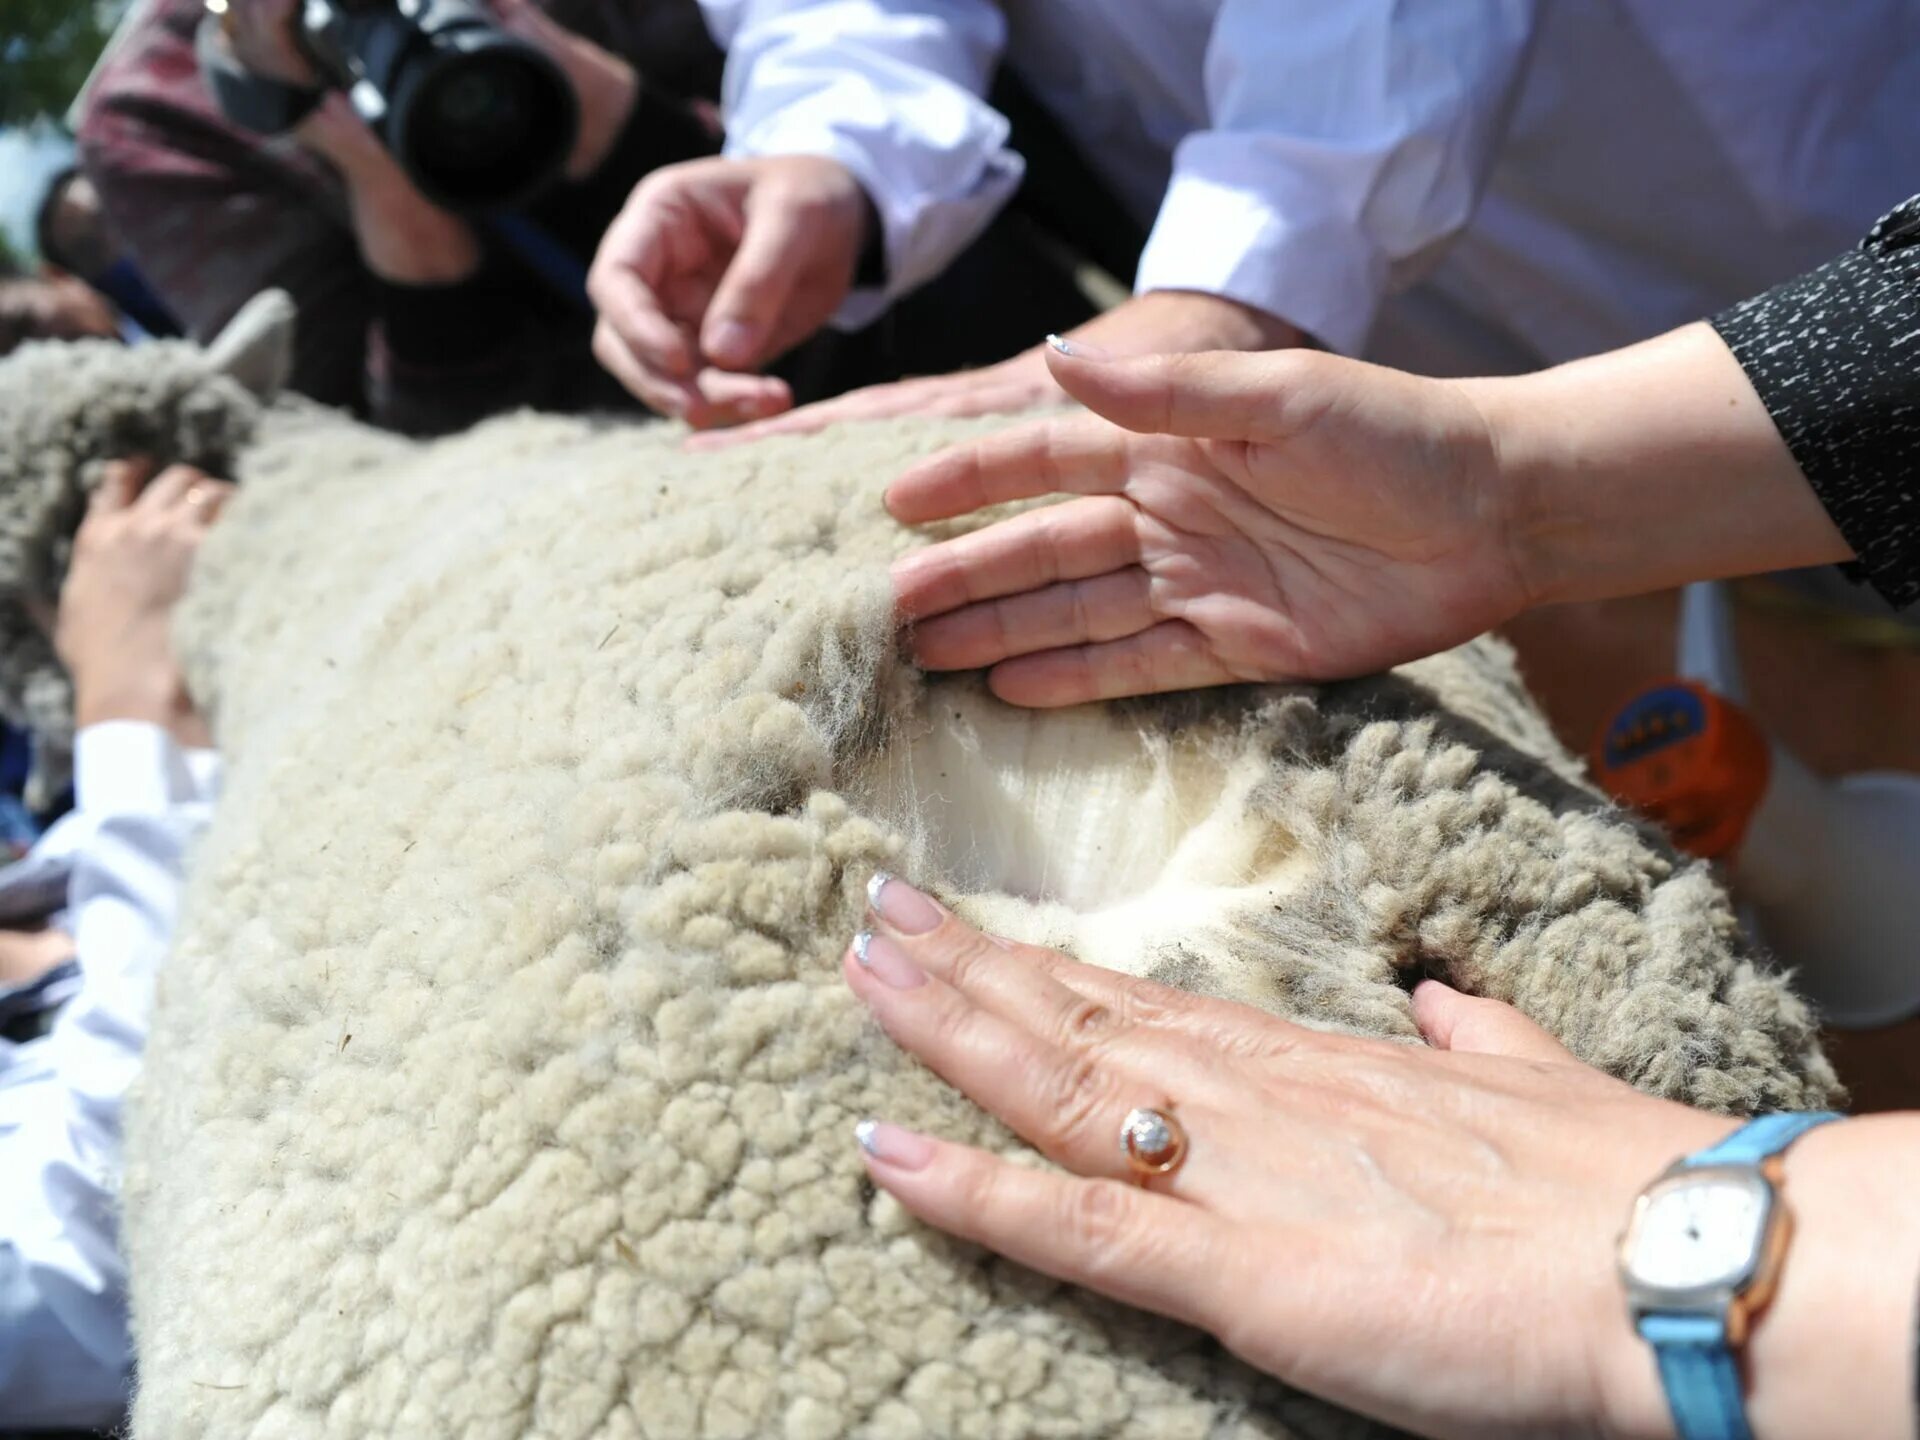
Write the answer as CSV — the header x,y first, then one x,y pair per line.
x,y
153,698
1538,505
1838,1335
608,90
1647,468
405,238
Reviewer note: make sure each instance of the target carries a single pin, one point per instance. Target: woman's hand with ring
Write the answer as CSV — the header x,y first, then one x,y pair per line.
x,y
1423,1234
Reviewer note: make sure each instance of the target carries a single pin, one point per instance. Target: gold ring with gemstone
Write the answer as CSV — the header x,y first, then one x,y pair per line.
x,y
1152,1142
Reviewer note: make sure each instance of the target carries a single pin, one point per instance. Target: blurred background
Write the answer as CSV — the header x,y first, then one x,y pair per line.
x,y
47,50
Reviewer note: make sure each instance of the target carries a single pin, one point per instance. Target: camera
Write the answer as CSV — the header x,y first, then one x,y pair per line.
x,y
477,118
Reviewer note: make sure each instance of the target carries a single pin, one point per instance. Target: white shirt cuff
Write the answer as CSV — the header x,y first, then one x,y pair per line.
x,y
131,767
1266,237
923,229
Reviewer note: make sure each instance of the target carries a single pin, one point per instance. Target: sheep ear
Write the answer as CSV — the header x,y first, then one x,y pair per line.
x,y
256,348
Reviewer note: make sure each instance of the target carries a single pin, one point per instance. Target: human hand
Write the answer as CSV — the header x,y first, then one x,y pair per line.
x,y
715,267
1421,1234
131,559
26,955
403,236
1160,322
1021,383
1278,516
260,35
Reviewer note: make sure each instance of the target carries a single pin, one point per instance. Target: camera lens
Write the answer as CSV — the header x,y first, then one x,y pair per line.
x,y
487,127
490,98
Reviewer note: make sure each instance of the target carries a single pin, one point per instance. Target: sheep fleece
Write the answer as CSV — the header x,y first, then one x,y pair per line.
x,y
502,1082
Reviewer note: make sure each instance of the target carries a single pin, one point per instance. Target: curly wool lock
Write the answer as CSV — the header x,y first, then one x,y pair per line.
x,y
502,1081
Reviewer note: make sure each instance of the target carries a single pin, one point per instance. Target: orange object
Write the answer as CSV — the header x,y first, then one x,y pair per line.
x,y
1688,758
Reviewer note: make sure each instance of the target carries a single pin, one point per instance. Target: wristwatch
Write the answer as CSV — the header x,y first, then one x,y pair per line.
x,y
1700,1260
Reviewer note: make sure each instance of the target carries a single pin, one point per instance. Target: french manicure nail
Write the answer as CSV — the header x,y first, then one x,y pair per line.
x,y
1078,349
886,962
890,1145
900,905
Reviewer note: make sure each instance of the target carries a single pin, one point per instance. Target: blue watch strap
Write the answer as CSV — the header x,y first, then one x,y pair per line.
x,y
1697,1367
1759,1138
1697,1371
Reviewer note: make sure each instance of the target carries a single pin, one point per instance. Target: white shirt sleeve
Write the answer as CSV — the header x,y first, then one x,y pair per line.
x,y
1346,141
66,1357
893,90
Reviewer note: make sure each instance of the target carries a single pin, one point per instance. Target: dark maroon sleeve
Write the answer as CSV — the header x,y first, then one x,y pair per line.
x,y
213,214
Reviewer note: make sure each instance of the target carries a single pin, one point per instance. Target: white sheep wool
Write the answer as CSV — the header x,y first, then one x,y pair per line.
x,y
502,1084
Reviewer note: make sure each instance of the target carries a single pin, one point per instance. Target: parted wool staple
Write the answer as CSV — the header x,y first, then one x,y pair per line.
x,y
502,1081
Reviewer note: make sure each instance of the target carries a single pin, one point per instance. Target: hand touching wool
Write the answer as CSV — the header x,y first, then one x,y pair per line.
x,y
1299,517
131,559
1422,1233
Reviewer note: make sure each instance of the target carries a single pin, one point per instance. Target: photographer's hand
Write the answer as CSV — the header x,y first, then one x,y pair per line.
x,y
404,237
260,33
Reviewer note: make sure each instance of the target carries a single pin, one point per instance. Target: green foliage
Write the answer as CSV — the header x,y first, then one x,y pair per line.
x,y
10,258
47,49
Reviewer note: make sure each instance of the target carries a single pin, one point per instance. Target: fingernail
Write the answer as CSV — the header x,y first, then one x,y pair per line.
x,y
1078,349
900,905
731,341
890,1145
886,962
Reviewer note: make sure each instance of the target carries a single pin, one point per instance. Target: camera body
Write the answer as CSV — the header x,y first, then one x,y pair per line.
x,y
479,119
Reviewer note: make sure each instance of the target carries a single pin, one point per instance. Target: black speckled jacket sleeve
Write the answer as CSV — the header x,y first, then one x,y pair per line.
x,y
1835,357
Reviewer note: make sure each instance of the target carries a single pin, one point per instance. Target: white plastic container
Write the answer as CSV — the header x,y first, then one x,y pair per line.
x,y
1828,875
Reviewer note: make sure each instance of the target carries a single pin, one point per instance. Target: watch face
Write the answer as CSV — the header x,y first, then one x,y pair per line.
x,y
1699,1230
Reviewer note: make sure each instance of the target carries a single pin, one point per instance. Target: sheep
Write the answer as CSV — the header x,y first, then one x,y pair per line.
x,y
502,1081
